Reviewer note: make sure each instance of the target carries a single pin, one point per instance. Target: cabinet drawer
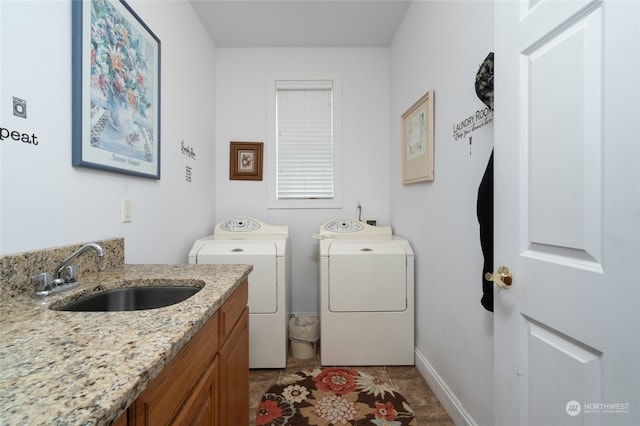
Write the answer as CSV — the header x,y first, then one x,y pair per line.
x,y
161,400
231,311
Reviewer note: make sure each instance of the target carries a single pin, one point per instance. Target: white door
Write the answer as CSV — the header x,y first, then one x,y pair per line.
x,y
567,212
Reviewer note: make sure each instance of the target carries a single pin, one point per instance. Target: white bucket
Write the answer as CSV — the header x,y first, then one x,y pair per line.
x,y
304,331
302,350
302,327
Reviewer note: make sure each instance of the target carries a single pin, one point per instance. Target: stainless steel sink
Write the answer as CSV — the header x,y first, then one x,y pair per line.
x,y
131,299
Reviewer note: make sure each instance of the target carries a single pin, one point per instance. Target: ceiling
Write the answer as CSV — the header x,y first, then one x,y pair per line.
x,y
301,23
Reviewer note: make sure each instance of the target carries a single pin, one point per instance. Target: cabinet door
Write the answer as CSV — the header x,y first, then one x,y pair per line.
x,y
163,398
201,409
123,420
234,374
231,311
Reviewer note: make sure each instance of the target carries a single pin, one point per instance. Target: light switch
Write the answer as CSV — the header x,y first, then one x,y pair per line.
x,y
126,211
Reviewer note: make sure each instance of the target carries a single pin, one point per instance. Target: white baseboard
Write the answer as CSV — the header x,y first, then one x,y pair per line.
x,y
447,398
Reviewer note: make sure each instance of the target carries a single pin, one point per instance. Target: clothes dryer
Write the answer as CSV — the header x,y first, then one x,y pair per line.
x,y
366,295
249,241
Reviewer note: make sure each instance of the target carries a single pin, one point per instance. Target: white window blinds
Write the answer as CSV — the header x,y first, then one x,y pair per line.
x,y
304,120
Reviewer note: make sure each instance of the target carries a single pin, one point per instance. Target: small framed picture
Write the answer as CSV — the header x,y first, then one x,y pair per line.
x,y
417,141
245,161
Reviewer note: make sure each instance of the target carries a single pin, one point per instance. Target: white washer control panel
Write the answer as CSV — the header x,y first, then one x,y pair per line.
x,y
241,227
240,224
347,228
343,225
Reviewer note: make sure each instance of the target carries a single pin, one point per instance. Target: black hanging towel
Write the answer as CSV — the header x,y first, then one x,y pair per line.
x,y
484,211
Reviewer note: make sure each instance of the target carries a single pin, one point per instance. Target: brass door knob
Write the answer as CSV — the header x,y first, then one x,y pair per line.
x,y
502,278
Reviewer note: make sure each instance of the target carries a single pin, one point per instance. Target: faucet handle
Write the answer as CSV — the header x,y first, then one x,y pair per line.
x,y
67,274
41,282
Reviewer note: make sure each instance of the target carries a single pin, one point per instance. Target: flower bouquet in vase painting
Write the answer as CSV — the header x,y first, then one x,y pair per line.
x,y
119,70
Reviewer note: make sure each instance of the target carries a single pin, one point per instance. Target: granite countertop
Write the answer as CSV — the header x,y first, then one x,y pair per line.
x,y
85,368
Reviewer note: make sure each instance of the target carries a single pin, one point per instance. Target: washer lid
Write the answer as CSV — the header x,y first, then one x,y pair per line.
x,y
237,248
365,248
260,243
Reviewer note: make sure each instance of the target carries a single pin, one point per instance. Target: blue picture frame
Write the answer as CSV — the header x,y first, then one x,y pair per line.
x,y
116,89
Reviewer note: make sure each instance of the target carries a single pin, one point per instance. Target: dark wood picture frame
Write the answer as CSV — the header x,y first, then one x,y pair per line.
x,y
245,161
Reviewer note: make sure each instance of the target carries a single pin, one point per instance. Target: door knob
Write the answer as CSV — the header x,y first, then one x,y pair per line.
x,y
502,278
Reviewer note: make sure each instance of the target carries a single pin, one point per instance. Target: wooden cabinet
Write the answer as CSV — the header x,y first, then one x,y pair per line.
x,y
201,408
207,383
160,402
234,356
234,360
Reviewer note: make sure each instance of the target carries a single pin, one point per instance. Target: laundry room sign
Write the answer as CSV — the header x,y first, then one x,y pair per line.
x,y
472,122
189,152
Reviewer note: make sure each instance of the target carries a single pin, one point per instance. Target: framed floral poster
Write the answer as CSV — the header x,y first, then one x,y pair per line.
x,y
116,89
417,141
245,161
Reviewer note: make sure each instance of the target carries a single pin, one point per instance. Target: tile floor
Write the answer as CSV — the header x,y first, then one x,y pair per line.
x,y
407,380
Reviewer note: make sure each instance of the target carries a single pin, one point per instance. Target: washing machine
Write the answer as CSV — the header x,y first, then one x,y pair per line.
x,y
366,295
250,241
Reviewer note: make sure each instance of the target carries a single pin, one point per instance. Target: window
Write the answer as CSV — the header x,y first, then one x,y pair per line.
x,y
304,126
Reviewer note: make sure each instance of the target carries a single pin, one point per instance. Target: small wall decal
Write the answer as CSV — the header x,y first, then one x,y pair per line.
x,y
19,107
18,136
187,150
472,123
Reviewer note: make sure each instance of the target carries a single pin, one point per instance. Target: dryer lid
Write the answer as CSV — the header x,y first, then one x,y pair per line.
x,y
238,248
363,248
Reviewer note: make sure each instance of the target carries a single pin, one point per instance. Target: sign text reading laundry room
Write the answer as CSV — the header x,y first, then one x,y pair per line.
x,y
471,123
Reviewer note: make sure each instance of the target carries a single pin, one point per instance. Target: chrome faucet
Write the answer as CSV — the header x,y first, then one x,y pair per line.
x,y
66,274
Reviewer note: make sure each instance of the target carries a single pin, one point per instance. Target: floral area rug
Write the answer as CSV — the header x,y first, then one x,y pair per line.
x,y
333,396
